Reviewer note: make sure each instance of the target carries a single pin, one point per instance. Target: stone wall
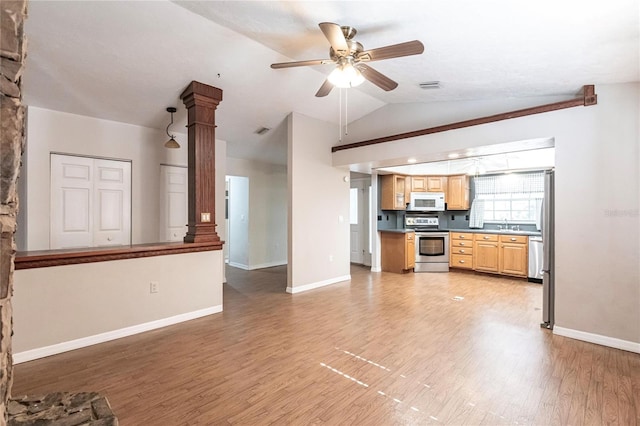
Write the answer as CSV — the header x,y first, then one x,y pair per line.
x,y
12,55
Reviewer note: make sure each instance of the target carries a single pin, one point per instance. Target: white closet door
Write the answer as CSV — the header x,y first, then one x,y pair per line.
x,y
173,203
112,198
71,202
90,202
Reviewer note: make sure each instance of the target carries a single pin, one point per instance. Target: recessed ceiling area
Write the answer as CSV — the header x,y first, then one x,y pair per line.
x,y
536,159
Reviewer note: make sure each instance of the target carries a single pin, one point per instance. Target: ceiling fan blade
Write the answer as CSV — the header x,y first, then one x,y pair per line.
x,y
377,78
334,34
301,63
324,89
408,48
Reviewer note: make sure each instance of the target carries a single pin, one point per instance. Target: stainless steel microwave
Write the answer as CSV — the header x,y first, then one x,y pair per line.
x,y
427,201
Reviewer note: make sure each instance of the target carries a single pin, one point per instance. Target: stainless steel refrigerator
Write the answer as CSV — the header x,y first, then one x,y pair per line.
x,y
548,279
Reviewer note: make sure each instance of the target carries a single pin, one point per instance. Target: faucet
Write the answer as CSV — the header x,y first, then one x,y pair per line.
x,y
506,223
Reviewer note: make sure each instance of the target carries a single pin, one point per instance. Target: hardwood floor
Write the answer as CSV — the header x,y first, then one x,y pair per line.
x,y
381,349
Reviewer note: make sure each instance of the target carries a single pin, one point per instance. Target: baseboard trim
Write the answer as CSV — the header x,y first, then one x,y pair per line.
x,y
239,265
376,269
307,287
598,339
268,265
83,342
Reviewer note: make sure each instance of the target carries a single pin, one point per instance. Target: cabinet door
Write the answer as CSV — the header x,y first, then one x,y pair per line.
x,y
410,251
513,259
418,183
436,183
458,193
485,256
402,187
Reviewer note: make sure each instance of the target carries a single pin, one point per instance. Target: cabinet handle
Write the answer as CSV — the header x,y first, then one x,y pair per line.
x,y
461,237
461,244
485,238
513,238
108,238
461,251
461,261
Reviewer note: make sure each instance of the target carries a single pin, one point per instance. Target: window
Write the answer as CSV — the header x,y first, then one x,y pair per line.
x,y
514,197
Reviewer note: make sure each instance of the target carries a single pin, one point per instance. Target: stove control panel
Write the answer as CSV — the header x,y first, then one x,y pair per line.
x,y
415,221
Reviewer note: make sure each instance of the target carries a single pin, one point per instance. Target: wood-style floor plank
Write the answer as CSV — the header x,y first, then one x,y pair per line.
x,y
382,349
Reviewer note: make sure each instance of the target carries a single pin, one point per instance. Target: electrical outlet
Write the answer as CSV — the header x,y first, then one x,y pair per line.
x,y
154,287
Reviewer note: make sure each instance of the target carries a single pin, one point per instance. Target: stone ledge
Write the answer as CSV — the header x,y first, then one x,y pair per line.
x,y
61,409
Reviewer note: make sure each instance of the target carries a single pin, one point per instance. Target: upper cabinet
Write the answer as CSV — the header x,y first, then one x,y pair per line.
x,y
394,192
418,184
437,184
428,183
396,189
458,192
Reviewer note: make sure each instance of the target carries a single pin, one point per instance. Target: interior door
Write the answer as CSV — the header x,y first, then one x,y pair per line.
x,y
112,201
90,202
355,220
71,219
173,202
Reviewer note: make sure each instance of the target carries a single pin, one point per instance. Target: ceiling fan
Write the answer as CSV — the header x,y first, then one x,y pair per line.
x,y
350,57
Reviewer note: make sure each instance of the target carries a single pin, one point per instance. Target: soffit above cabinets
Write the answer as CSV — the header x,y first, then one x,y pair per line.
x,y
486,164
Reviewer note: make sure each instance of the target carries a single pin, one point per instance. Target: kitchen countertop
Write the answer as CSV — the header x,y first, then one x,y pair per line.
x,y
496,231
475,231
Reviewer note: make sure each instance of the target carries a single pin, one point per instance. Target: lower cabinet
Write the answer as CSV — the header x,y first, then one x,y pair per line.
x,y
493,253
514,255
398,251
461,250
485,252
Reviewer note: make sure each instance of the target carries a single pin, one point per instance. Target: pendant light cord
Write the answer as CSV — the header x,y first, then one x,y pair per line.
x,y
171,136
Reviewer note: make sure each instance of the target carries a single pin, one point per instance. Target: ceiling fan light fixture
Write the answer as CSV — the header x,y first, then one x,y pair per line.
x,y
346,75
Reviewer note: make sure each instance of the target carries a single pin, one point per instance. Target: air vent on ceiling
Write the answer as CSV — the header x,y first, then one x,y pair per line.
x,y
262,130
430,85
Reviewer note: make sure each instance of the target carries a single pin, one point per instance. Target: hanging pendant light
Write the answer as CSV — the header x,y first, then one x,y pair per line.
x,y
171,143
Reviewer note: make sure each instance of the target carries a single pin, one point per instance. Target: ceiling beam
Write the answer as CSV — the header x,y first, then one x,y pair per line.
x,y
587,99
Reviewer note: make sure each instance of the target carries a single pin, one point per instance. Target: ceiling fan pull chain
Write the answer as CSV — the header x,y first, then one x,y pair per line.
x,y
340,117
346,113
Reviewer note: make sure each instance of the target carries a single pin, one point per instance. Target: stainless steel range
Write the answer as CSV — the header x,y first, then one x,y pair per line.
x,y
432,244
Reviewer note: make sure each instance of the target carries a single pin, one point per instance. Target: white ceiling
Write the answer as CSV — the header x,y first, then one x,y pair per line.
x,y
128,61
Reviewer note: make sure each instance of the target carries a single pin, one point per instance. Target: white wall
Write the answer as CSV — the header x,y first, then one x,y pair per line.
x,y
318,249
53,131
121,286
64,307
267,211
597,200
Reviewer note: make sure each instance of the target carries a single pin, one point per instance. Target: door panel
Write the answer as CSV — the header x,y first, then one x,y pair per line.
x,y
173,202
112,214
71,222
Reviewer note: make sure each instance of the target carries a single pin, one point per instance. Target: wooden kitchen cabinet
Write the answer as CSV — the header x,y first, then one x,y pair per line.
x,y
418,184
514,255
398,251
485,253
436,184
457,192
461,250
394,192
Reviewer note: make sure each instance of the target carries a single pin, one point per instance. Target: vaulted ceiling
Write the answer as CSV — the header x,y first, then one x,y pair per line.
x,y
127,61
